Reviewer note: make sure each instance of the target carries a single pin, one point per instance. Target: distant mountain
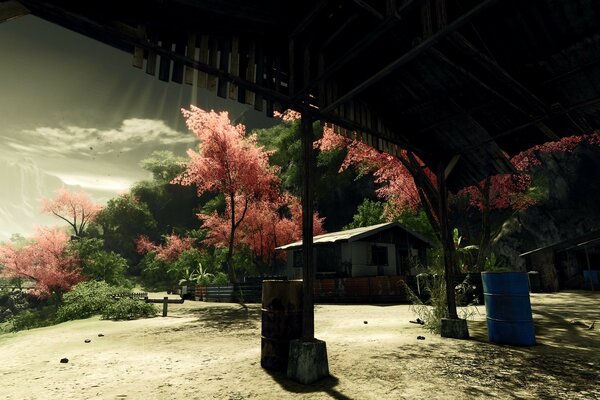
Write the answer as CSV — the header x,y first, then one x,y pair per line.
x,y
22,186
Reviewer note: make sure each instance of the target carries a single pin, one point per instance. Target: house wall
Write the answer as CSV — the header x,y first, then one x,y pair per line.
x,y
361,254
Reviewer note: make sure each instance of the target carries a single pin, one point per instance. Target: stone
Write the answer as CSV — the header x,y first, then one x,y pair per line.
x,y
454,328
64,360
87,340
307,361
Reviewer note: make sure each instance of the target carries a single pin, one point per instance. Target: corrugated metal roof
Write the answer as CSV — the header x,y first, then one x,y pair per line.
x,y
591,238
352,235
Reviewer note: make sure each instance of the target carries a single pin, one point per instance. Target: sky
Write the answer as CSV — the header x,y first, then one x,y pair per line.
x,y
74,112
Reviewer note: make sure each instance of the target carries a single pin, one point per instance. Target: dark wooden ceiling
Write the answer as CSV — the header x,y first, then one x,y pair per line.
x,y
480,79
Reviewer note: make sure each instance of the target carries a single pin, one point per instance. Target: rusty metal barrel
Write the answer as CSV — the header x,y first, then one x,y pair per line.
x,y
281,321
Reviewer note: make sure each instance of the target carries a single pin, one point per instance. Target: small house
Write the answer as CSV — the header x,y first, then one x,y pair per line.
x,y
388,249
569,264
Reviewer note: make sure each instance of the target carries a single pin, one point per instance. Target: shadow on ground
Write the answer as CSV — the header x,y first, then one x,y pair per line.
x,y
228,317
326,385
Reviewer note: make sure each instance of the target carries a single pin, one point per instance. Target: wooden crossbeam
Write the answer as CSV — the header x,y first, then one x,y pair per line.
x,y
165,301
349,55
411,54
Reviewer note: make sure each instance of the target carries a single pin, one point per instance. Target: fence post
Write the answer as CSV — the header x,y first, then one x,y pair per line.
x,y
165,305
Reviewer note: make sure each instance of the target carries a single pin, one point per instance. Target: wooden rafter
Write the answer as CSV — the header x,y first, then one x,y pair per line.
x,y
411,54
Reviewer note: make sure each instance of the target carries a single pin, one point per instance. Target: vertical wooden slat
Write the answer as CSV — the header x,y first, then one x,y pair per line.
x,y
151,63
234,66
211,80
203,76
164,67
190,52
426,20
177,73
243,67
292,67
251,72
269,83
260,70
224,54
138,57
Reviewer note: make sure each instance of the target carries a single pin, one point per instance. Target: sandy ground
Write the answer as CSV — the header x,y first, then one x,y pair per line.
x,y
212,351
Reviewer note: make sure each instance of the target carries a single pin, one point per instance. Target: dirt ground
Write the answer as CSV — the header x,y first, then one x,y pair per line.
x,y
212,351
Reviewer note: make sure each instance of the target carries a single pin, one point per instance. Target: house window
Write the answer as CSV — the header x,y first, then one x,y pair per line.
x,y
379,255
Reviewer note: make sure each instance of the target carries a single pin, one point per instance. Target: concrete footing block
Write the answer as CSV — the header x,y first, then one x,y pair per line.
x,y
454,328
307,361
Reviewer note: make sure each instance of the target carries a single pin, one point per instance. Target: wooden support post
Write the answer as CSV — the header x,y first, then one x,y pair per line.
x,y
308,272
447,243
165,306
587,259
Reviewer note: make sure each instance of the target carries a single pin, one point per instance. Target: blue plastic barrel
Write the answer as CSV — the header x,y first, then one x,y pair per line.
x,y
508,308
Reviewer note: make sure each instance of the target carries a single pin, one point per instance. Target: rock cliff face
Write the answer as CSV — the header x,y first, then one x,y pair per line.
x,y
570,207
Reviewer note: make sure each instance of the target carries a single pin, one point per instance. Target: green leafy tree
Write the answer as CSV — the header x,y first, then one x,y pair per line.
x,y
368,213
122,220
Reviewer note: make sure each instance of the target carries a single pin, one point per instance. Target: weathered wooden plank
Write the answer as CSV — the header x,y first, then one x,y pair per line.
x,y
243,68
224,54
138,57
426,19
234,66
213,61
190,52
177,73
251,72
203,76
260,80
151,63
164,66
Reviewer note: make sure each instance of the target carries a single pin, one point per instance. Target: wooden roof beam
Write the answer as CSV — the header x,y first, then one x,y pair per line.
x,y
411,54
515,86
387,24
349,55
562,112
366,6
308,20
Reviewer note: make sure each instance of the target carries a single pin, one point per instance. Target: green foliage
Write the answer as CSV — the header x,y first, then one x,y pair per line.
x,y
417,222
126,308
87,299
164,165
495,264
157,274
337,194
98,264
122,220
98,298
220,278
33,318
368,213
431,305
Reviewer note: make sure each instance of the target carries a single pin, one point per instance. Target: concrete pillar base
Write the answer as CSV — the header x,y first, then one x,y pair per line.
x,y
307,361
454,328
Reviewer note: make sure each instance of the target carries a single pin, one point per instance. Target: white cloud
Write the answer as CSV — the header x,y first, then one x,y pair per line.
x,y
97,182
76,141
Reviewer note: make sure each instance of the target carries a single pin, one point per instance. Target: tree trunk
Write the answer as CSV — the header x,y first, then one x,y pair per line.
x,y
229,259
485,225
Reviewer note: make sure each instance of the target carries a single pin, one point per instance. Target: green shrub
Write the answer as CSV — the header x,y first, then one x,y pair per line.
x,y
126,308
33,318
87,299
220,278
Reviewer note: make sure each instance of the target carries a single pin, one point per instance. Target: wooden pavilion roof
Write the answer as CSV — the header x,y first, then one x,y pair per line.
x,y
481,79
